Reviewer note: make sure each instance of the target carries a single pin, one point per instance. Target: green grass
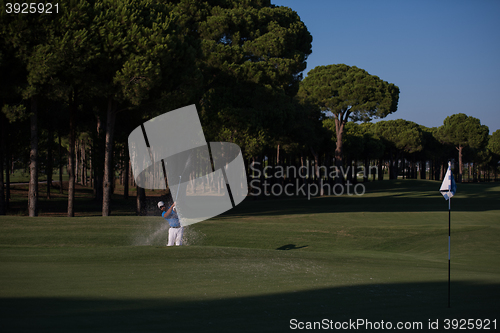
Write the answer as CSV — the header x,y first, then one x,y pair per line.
x,y
23,176
381,256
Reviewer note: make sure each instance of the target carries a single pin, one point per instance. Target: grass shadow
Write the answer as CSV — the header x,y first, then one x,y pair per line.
x,y
383,196
291,247
414,303
380,196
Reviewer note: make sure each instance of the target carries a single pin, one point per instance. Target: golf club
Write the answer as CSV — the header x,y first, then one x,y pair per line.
x,y
178,187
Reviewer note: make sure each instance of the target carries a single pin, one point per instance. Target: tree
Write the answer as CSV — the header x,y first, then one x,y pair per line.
x,y
28,46
54,49
72,50
353,147
431,152
494,142
401,136
494,148
136,40
345,93
373,150
11,109
252,56
463,131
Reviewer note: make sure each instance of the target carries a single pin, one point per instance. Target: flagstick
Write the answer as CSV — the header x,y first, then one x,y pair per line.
x,y
449,249
448,189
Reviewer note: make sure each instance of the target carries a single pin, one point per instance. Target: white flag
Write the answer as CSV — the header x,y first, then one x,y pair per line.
x,y
448,187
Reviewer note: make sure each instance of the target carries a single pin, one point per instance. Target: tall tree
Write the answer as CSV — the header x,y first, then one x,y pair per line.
x,y
11,106
373,150
431,152
494,142
3,139
463,131
29,44
401,136
494,148
346,92
253,54
69,51
138,45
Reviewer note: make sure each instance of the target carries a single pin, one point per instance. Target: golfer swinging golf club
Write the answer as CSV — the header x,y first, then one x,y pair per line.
x,y
176,230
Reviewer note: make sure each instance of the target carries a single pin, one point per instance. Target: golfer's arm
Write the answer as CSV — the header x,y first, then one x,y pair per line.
x,y
169,210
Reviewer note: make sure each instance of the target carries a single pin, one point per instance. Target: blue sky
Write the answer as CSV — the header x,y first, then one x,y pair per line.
x,y
444,55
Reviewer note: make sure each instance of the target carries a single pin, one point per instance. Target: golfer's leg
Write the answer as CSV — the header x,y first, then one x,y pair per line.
x,y
180,232
171,236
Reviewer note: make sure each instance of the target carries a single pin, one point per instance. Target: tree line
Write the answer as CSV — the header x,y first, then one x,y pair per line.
x,y
77,82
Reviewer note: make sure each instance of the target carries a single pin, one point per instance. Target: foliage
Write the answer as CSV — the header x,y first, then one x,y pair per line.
x,y
253,54
350,92
240,62
401,134
461,130
494,142
464,132
354,141
373,146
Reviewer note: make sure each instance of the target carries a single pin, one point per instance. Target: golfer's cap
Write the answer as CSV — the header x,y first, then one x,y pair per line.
x,y
161,204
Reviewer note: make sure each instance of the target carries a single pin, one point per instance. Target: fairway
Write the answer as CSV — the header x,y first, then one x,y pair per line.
x,y
378,257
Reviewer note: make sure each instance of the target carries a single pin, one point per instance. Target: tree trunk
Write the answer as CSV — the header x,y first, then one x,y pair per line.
x,y
33,184
262,177
98,160
470,172
355,171
251,177
328,165
366,170
460,164
278,156
348,168
397,168
60,165
91,168
391,165
431,168
316,171
77,161
141,201
375,173
49,160
10,166
302,174
108,158
311,177
380,170
339,127
71,158
271,165
126,180
402,167
84,163
474,173
423,169
3,157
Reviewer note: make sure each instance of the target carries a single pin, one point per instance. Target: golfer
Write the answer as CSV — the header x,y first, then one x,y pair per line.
x,y
176,230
